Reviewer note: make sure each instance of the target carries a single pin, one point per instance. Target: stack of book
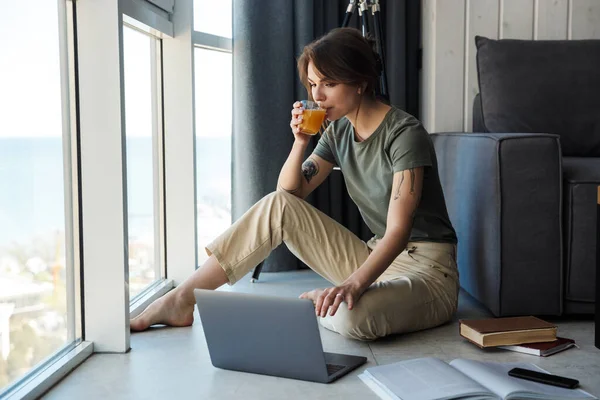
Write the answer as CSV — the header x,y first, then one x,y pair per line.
x,y
529,335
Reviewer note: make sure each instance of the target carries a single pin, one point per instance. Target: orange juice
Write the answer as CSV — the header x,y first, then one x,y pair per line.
x,y
312,121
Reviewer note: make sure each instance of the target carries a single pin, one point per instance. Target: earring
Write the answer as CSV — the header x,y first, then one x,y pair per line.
x,y
358,90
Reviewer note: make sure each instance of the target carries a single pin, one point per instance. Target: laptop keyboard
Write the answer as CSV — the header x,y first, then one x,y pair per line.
x,y
333,368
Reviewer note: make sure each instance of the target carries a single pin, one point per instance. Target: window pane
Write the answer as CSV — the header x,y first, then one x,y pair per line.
x,y
213,144
213,17
139,57
34,322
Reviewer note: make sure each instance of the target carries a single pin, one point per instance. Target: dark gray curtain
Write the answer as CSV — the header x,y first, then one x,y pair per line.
x,y
268,37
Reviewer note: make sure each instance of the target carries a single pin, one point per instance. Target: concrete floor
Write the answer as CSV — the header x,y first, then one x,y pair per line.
x,y
174,362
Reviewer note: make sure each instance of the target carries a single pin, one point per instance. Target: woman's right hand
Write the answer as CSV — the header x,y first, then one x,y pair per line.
x,y
297,111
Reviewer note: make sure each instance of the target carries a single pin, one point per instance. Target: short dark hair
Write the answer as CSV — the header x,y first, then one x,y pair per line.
x,y
343,56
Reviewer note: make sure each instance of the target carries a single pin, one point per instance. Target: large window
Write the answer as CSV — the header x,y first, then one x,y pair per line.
x,y
141,53
213,91
64,165
37,302
213,144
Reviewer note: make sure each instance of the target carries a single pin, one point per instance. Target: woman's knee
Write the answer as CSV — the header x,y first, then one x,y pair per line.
x,y
279,197
355,324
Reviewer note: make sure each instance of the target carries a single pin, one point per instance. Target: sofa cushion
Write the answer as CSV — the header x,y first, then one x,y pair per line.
x,y
581,169
478,124
547,86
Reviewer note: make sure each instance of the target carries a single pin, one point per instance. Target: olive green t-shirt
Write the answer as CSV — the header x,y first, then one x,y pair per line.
x,y
399,143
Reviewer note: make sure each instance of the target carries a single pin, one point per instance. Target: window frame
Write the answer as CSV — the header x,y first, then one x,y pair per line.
x,y
212,42
160,283
147,14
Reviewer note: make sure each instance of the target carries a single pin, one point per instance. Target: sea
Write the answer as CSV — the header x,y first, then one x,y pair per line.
x,y
32,184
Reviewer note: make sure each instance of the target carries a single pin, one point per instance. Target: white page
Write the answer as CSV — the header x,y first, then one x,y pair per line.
x,y
375,387
495,377
426,379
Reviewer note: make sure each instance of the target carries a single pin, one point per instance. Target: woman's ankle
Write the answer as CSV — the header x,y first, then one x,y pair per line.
x,y
184,297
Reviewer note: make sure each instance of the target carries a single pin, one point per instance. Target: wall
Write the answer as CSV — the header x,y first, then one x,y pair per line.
x,y
449,75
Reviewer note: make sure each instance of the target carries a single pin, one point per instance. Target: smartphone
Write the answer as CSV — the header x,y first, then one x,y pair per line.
x,y
541,377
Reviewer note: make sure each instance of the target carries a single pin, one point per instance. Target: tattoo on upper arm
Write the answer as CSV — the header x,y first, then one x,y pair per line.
x,y
412,183
310,169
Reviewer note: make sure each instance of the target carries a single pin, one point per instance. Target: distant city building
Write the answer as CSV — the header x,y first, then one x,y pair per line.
x,y
6,310
26,296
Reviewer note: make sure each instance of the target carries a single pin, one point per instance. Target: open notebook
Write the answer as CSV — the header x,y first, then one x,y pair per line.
x,y
434,379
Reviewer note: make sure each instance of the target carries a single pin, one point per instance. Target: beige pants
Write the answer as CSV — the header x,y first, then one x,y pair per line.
x,y
419,289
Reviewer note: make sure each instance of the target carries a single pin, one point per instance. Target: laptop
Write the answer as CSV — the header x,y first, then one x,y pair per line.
x,y
268,335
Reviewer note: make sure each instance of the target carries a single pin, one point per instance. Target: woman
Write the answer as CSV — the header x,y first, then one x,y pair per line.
x,y
405,278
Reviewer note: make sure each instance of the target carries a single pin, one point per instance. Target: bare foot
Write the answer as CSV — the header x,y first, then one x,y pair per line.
x,y
169,310
313,295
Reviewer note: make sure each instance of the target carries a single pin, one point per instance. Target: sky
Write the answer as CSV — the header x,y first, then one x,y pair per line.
x,y
29,69
30,105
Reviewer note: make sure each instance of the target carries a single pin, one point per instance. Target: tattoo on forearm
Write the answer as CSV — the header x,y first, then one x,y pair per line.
x,y
412,184
310,169
397,195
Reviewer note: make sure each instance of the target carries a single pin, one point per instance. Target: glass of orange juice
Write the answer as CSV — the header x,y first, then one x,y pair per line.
x,y
312,117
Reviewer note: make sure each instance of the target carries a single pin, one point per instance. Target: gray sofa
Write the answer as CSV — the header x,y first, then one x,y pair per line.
x,y
521,192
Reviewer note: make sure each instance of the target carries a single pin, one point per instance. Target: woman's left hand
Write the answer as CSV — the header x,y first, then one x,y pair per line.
x,y
333,297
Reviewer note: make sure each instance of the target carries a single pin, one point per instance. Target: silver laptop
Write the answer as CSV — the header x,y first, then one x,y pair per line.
x,y
268,335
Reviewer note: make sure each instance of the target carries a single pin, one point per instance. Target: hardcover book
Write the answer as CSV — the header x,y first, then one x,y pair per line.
x,y
491,332
542,349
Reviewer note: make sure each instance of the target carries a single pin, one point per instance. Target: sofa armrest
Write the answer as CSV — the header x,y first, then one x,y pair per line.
x,y
503,193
